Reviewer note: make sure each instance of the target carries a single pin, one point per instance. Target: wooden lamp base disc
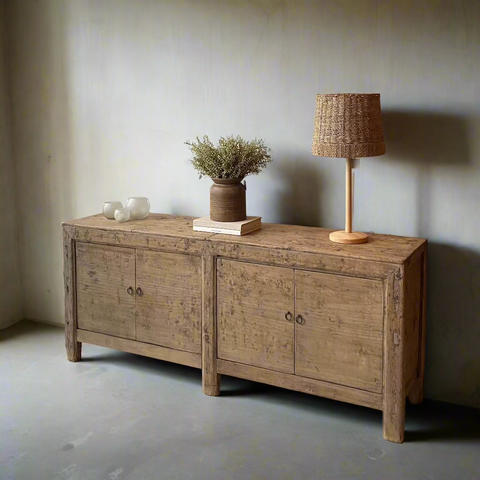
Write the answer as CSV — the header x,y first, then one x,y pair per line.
x,y
348,237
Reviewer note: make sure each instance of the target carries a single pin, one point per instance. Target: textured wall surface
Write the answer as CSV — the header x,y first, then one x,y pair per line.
x,y
10,287
105,93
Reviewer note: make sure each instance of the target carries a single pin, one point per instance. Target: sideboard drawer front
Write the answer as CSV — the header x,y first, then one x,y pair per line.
x,y
169,300
340,337
255,307
104,274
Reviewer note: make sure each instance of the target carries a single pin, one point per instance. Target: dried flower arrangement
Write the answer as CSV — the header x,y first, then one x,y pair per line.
x,y
234,157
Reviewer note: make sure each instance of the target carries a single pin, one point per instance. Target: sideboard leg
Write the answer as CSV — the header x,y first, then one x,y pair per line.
x,y
74,348
416,391
210,378
394,350
213,390
394,421
74,351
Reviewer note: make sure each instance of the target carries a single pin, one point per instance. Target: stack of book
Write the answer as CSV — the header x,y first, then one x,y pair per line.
x,y
249,225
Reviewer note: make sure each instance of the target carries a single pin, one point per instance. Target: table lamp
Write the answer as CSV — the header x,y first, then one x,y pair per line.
x,y
348,125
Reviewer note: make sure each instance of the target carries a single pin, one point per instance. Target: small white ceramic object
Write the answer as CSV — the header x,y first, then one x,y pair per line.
x,y
110,207
122,215
139,207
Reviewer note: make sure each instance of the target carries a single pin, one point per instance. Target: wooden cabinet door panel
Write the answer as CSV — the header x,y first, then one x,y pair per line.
x,y
252,301
169,309
341,337
103,275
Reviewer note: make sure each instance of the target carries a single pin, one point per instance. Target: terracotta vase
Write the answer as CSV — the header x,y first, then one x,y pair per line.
x,y
227,200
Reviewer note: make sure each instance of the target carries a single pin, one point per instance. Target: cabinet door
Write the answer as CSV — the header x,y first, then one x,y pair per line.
x,y
253,322
104,276
339,337
169,300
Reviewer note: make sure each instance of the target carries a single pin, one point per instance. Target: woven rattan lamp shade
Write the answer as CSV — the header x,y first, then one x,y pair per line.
x,y
348,125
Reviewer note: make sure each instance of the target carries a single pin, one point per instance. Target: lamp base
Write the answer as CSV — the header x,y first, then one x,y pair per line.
x,y
342,236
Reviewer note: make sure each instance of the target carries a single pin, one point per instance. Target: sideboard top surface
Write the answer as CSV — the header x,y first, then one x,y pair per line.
x,y
155,224
380,248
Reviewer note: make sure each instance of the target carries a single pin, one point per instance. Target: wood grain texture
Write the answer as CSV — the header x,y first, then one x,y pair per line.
x,y
139,348
133,240
380,248
305,261
72,345
340,339
348,238
104,274
394,390
341,287
210,377
169,309
412,316
301,384
252,303
416,391
153,224
169,233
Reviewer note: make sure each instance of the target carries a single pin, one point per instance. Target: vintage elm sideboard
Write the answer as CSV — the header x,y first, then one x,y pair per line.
x,y
282,306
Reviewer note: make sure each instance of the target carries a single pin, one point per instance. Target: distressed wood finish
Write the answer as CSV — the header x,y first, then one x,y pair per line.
x,y
104,277
155,224
170,233
210,378
222,303
72,345
132,240
394,360
255,315
415,394
413,316
380,248
304,261
301,384
339,337
139,348
169,300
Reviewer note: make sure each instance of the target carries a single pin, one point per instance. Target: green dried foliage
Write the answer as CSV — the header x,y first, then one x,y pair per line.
x,y
234,157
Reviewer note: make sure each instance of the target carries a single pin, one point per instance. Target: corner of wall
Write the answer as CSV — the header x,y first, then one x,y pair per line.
x,y
11,291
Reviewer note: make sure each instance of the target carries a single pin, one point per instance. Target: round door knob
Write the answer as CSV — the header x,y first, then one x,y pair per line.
x,y
288,316
130,290
139,292
300,320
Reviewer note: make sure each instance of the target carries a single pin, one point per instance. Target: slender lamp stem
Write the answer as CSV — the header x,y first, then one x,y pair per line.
x,y
348,196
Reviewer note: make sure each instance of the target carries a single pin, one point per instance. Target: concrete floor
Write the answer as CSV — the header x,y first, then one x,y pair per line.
x,y
118,416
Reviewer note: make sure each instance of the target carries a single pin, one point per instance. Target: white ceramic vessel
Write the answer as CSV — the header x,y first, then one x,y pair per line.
x,y
122,215
139,207
110,207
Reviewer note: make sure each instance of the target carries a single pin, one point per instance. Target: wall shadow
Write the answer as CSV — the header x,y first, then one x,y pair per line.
x,y
427,138
442,422
299,202
453,327
153,366
428,141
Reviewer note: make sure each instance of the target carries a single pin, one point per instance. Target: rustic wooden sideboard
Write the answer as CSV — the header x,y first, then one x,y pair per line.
x,y
282,306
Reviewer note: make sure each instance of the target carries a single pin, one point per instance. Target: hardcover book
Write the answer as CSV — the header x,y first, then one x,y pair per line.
x,y
250,224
